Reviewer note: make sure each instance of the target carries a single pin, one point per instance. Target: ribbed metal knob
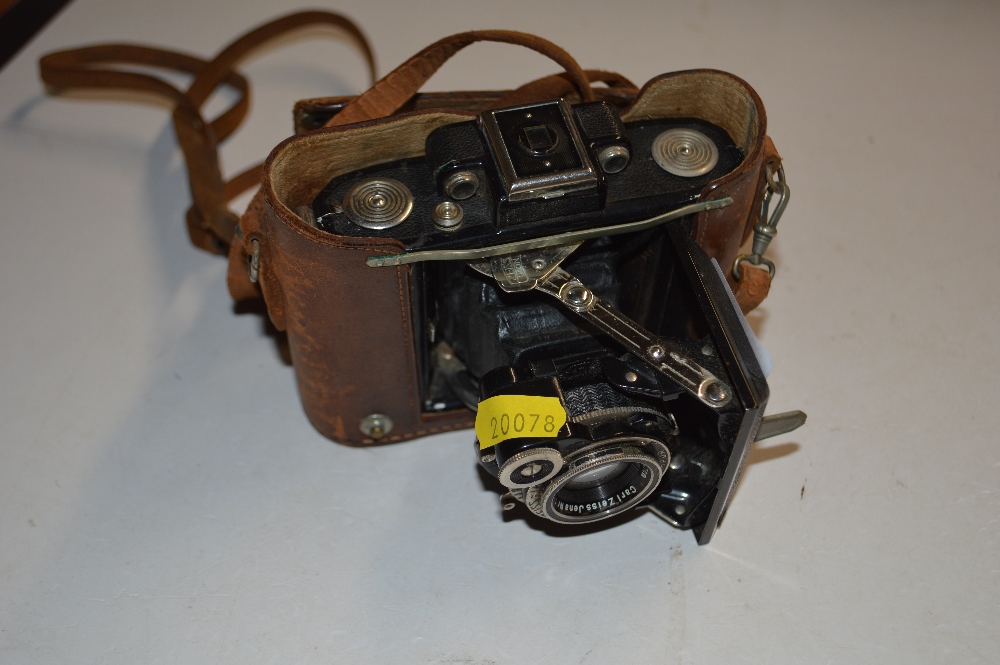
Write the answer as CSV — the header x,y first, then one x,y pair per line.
x,y
685,152
378,203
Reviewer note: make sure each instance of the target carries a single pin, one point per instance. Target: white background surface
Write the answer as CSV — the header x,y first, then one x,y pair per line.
x,y
164,500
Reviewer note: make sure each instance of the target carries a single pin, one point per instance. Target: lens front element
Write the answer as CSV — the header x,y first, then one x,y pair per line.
x,y
601,481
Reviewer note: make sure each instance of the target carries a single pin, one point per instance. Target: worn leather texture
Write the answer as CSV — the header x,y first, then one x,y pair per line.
x,y
396,88
311,114
350,326
752,288
210,223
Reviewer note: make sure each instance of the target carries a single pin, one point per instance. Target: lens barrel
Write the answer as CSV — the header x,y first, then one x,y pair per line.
x,y
601,481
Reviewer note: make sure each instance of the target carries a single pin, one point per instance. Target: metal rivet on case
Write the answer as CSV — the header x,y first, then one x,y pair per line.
x,y
253,266
378,203
375,425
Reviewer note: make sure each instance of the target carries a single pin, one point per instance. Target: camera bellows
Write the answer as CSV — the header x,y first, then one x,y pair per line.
x,y
378,203
685,152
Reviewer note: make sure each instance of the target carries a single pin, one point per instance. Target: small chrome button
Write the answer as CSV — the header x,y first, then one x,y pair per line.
x,y
448,216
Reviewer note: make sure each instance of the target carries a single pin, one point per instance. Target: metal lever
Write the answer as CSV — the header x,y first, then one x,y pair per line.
x,y
662,355
780,423
540,270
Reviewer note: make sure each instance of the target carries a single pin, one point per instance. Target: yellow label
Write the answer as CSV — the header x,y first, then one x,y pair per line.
x,y
515,416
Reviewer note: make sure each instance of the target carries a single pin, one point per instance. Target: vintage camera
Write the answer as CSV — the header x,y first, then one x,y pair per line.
x,y
557,290
544,266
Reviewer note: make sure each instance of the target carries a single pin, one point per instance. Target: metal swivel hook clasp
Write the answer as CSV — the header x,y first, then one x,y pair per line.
x,y
767,223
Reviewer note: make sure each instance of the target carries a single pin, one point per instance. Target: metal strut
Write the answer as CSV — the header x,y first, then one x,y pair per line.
x,y
539,270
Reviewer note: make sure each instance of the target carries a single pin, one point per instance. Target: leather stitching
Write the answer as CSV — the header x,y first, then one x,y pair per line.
x,y
413,434
410,361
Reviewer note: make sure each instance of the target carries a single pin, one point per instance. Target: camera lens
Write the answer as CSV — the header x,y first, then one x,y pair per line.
x,y
601,481
597,476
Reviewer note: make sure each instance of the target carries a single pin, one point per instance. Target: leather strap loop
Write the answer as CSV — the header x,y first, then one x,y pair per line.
x,y
210,222
752,288
559,85
389,94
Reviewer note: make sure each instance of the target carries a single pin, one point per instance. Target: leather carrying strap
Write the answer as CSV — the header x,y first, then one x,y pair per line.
x,y
560,85
211,224
393,91
752,288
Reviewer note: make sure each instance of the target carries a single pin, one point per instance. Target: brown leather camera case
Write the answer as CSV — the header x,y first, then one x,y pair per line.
x,y
350,327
